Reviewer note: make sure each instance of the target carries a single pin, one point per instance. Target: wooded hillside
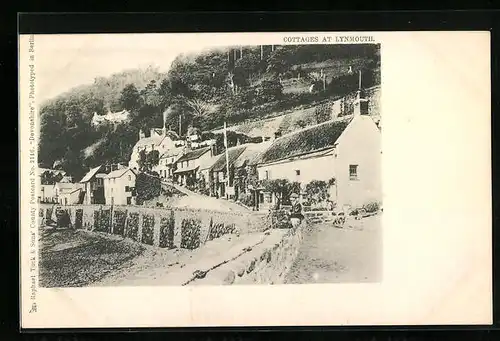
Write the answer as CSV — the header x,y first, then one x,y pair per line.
x,y
203,90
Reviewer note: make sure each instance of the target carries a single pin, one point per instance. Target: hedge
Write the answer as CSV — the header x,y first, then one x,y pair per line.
x,y
148,222
167,225
79,218
97,220
105,221
133,226
119,222
190,234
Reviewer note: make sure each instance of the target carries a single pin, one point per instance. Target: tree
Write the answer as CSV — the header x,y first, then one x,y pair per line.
x,y
281,189
317,191
130,98
147,187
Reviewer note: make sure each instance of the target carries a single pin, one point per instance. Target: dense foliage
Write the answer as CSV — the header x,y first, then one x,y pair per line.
x,y
202,90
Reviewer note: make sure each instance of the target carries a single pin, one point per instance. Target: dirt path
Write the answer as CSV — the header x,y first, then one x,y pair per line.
x,y
334,255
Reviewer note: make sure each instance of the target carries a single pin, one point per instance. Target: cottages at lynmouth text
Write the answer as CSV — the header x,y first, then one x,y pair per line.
x,y
329,39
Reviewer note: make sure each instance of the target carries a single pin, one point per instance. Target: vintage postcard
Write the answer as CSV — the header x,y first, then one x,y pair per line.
x,y
255,179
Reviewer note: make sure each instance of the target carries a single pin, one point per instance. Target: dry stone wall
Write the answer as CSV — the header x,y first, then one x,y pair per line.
x,y
162,227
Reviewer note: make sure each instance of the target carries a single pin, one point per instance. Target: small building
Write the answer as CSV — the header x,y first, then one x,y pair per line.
x,y
166,164
221,186
205,173
119,187
46,194
245,169
160,139
347,150
188,164
93,185
110,117
68,193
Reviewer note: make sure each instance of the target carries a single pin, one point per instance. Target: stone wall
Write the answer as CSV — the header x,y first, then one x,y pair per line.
x,y
163,227
265,263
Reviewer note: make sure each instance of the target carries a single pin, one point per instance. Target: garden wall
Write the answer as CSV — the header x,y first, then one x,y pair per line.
x,y
163,227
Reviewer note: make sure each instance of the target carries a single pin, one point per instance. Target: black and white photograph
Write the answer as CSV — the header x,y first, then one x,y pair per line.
x,y
227,165
254,179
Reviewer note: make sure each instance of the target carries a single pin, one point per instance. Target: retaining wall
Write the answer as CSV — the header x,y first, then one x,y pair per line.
x,y
163,227
266,263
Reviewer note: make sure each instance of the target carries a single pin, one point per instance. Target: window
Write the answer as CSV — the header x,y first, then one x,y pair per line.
x,y
130,178
152,146
353,172
297,172
187,163
111,189
266,175
127,189
129,200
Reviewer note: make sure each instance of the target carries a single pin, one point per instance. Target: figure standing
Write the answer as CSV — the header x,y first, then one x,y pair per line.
x,y
296,215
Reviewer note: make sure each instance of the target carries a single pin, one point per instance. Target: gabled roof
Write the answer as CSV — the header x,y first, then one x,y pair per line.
x,y
208,163
305,141
90,174
172,152
251,152
233,154
147,141
194,154
118,173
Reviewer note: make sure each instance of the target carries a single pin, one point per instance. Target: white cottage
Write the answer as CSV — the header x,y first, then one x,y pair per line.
x,y
160,139
119,186
347,150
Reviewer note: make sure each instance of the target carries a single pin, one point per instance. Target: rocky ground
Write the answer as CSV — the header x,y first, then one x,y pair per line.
x,y
334,255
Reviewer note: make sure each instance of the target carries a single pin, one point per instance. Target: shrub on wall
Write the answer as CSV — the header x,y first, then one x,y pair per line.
x,y
217,230
148,221
97,220
79,218
105,221
133,226
190,233
167,224
119,222
63,219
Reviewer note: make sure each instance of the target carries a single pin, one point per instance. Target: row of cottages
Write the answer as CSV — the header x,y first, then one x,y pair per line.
x,y
346,149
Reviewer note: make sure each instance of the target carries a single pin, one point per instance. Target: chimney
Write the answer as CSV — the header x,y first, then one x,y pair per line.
x,y
360,104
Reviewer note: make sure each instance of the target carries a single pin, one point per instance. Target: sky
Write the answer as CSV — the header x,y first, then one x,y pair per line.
x,y
66,61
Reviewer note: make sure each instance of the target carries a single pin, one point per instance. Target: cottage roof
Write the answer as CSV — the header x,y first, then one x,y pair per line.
x,y
172,152
194,154
55,171
147,141
118,173
90,174
208,163
186,169
233,154
65,187
251,152
305,141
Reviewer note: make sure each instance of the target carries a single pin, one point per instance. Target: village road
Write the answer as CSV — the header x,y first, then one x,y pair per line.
x,y
339,255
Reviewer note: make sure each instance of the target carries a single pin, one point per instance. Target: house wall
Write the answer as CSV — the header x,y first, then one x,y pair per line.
x,y
69,198
114,189
46,192
360,144
314,167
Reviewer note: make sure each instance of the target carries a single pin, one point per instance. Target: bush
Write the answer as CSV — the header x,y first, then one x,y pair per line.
x,y
133,226
119,222
371,207
147,229
63,219
217,230
79,218
280,219
104,221
190,234
167,225
247,200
